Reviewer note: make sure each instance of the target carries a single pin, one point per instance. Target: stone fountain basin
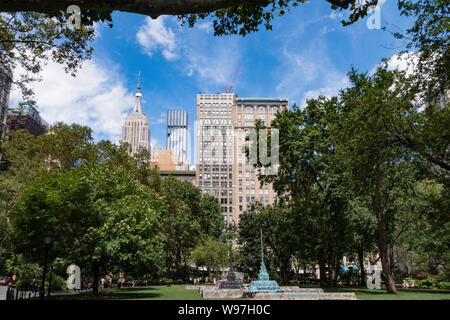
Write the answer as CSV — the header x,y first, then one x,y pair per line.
x,y
287,293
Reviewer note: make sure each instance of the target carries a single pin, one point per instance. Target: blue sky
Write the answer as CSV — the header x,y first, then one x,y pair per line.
x,y
307,53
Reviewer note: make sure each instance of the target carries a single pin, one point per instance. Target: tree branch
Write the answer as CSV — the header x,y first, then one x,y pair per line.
x,y
153,8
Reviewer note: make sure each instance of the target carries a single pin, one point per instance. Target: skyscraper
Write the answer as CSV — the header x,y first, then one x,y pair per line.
x,y
136,131
177,133
214,147
246,112
223,120
5,86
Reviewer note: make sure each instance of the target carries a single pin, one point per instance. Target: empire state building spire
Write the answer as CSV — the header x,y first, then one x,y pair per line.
x,y
137,105
136,131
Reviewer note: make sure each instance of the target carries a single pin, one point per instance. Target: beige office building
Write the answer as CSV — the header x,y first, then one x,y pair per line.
x,y
222,167
136,131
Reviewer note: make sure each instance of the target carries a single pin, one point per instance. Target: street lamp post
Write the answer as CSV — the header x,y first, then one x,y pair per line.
x,y
50,282
47,240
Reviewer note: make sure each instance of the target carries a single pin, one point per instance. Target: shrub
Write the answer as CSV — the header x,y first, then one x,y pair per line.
x,y
428,282
25,271
58,283
442,276
444,285
423,275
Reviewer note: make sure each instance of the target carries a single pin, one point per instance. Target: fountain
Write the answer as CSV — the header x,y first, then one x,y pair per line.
x,y
231,282
263,284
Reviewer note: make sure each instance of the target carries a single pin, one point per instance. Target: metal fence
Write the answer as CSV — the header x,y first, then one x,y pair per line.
x,y
16,294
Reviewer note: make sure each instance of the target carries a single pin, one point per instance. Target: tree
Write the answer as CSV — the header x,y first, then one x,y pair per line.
x,y
429,235
364,232
211,222
24,157
428,40
100,216
211,254
25,271
312,179
258,10
180,229
32,33
23,161
28,40
277,223
368,111
68,146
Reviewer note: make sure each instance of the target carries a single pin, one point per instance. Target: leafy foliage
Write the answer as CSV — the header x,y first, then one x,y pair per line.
x,y
429,37
84,208
28,40
211,254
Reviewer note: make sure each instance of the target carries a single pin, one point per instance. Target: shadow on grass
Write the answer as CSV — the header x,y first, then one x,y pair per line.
x,y
356,290
125,293
432,291
384,292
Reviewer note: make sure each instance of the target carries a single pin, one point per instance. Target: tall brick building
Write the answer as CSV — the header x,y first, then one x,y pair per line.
x,y
222,167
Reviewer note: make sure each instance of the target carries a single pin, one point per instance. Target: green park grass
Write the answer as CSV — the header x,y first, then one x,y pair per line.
x,y
403,294
174,292
178,292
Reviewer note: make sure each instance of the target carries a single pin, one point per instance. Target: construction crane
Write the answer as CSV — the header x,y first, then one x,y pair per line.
x,y
234,78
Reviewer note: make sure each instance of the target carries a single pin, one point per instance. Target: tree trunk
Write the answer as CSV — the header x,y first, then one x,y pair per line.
x,y
96,280
305,274
335,273
384,252
323,275
361,268
284,272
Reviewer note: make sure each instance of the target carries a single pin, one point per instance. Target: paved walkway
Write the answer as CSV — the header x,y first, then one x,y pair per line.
x,y
3,292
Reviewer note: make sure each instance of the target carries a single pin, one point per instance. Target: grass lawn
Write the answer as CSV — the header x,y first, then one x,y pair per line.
x,y
403,294
178,292
174,292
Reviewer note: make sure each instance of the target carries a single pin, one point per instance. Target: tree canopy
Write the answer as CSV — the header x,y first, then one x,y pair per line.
x,y
109,211
351,168
100,216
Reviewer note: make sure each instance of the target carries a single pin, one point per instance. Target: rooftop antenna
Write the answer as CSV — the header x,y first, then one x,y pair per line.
x,y
234,79
139,81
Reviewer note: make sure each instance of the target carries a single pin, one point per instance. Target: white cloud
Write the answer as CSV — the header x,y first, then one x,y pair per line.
x,y
96,98
326,30
213,63
331,87
205,26
211,60
308,73
162,118
336,15
406,61
154,35
154,143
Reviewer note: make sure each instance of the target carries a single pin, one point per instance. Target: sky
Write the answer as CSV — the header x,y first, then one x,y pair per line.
x,y
307,53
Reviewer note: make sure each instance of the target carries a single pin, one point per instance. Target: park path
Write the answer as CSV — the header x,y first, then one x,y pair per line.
x,y
3,292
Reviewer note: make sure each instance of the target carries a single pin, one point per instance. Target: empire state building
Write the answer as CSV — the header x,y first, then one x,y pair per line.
x,y
135,131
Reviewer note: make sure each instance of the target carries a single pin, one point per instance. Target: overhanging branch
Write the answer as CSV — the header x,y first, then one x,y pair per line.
x,y
153,8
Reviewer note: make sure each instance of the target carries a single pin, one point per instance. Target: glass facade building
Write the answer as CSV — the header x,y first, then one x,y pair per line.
x,y
177,134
